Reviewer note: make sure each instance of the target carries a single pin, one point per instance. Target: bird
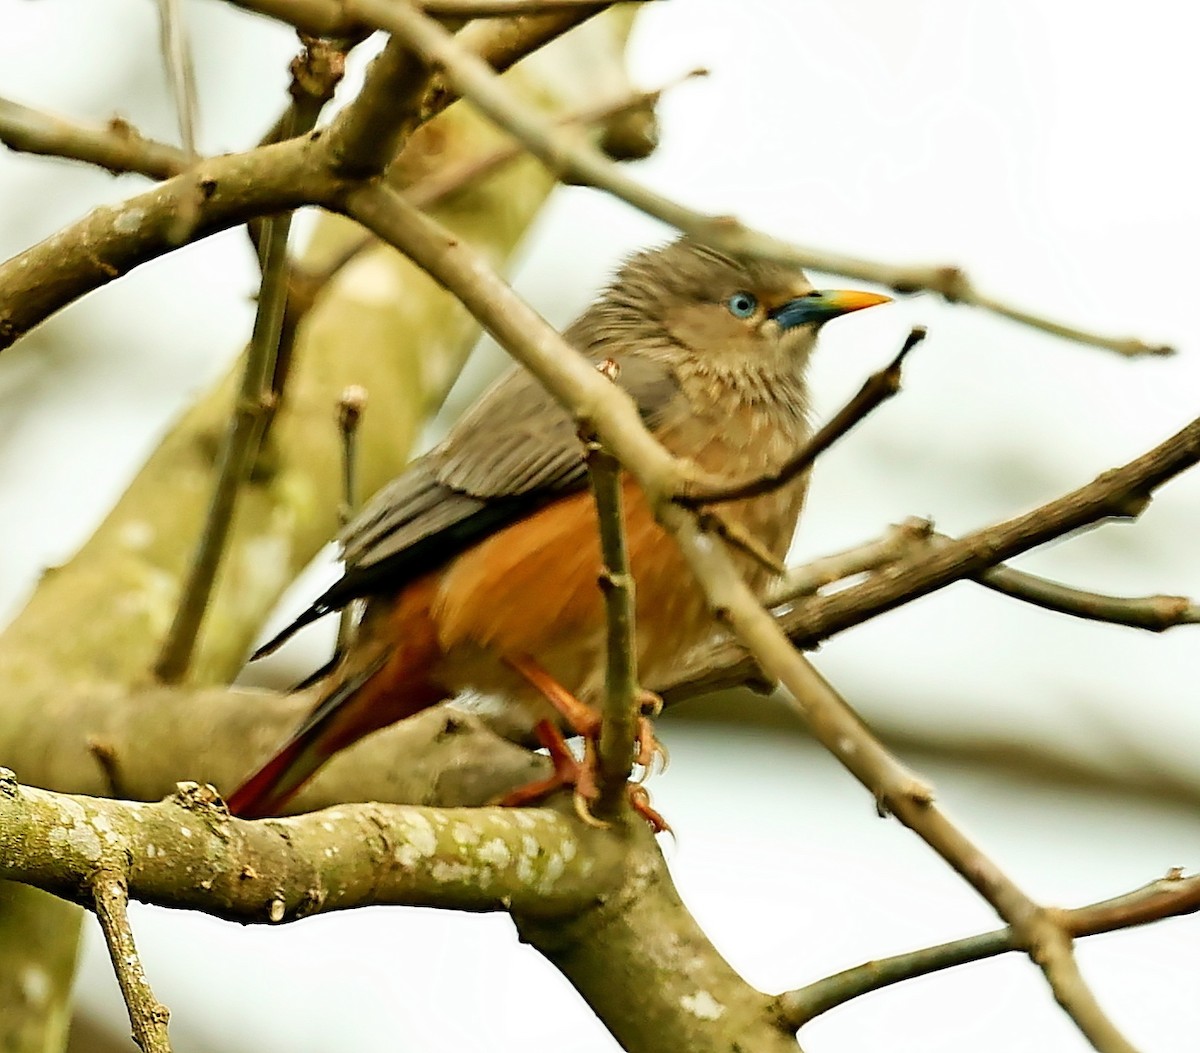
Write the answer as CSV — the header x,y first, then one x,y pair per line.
x,y
478,565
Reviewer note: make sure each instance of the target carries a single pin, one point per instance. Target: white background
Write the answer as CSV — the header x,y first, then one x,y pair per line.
x,y
1048,148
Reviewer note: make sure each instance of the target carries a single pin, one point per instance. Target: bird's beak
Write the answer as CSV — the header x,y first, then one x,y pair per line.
x,y
822,305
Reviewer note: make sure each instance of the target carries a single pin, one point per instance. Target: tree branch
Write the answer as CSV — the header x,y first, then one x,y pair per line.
x,y
252,405
580,162
619,725
1168,897
896,790
116,146
110,900
534,860
1122,492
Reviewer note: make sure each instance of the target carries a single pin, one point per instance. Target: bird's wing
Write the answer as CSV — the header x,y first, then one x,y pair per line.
x,y
515,450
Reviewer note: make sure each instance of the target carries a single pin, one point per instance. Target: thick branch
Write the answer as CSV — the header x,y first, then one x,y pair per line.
x,y
267,872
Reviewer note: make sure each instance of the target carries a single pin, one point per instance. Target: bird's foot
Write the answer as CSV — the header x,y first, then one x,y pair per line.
x,y
569,771
646,743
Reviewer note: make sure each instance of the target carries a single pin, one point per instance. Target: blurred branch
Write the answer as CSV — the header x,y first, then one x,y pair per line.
x,y
580,162
116,146
110,900
877,389
239,452
1168,897
181,72
337,18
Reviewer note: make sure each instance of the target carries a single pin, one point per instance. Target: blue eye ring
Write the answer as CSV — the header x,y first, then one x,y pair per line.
x,y
742,304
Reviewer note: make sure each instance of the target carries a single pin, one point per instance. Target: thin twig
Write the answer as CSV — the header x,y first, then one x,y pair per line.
x,y
878,388
147,1016
1154,613
618,727
238,455
580,162
1168,897
350,410
807,578
181,72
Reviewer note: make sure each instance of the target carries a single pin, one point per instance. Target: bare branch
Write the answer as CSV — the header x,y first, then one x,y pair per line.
x,y
238,455
807,578
619,725
147,1016
1155,613
116,146
181,71
896,790
1121,492
1168,897
579,161
283,869
877,389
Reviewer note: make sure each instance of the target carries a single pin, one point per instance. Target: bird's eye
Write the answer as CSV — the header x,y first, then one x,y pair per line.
x,y
742,304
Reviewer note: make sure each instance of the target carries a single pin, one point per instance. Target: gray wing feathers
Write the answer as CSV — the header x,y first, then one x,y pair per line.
x,y
515,443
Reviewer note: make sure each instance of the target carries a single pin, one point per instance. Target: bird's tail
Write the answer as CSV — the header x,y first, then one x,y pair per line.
x,y
293,764
384,678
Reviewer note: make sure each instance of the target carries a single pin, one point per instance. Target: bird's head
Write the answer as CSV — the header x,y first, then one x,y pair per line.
x,y
688,300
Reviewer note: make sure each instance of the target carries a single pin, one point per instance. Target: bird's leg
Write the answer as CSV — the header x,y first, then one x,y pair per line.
x,y
584,721
567,772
